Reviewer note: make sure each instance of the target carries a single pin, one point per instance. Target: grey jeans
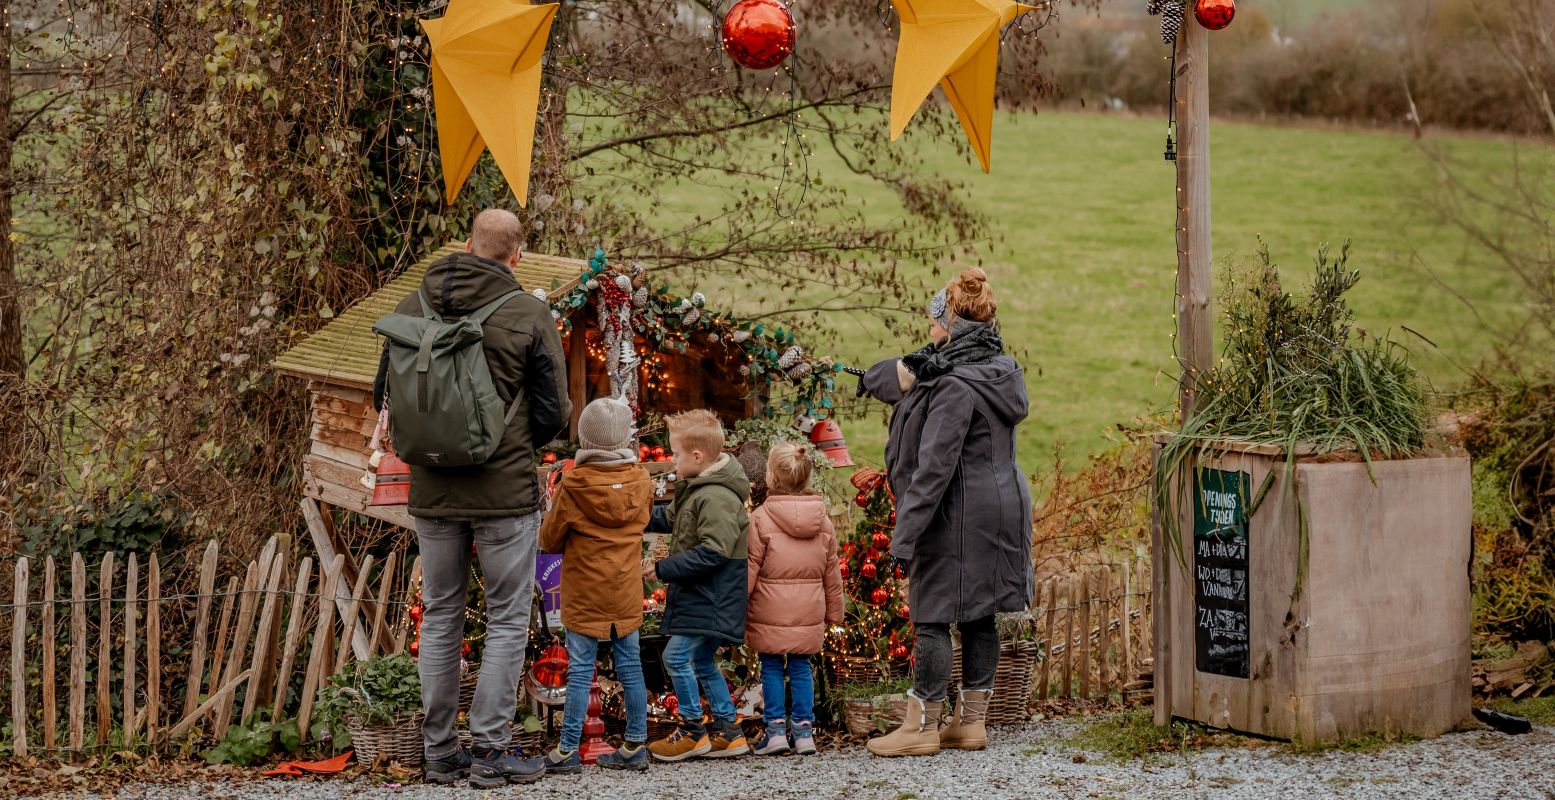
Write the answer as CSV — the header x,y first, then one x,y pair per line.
x,y
979,657
507,554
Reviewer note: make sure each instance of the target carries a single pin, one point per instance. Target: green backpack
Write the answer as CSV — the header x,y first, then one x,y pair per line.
x,y
446,411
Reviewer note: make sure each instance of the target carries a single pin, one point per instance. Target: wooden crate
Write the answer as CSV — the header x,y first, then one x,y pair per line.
x,y
1356,621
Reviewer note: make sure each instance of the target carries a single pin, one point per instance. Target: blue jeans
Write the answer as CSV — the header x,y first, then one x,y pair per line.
x,y
692,660
801,685
581,653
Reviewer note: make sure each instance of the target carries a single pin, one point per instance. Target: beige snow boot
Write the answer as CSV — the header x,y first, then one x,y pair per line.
x,y
918,734
967,729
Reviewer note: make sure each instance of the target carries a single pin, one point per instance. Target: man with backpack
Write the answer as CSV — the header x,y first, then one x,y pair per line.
x,y
475,381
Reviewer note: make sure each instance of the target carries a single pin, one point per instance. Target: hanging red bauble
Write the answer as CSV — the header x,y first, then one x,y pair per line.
x,y
893,518
415,648
881,541
759,34
861,499
904,611
843,568
899,651
900,575
880,596
659,595
466,651
872,554
671,704
850,548
1214,14
868,570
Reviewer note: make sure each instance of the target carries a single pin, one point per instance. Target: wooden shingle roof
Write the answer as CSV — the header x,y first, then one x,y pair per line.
x,y
346,352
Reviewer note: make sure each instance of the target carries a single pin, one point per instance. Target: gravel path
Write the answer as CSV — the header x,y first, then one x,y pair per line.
x,y
1028,762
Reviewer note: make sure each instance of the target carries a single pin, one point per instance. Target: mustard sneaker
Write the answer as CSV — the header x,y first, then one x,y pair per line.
x,y
728,741
684,743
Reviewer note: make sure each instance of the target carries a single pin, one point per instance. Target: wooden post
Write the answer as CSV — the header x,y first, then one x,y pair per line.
x,y
1104,638
1047,662
320,529
127,704
283,676
1125,645
328,579
262,652
153,648
240,636
18,662
577,373
260,682
104,647
1069,609
353,611
381,607
229,601
1085,635
77,652
202,624
50,704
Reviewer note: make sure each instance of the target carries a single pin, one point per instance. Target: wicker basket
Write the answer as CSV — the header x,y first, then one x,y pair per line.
x,y
400,741
871,716
847,669
531,742
1012,684
467,682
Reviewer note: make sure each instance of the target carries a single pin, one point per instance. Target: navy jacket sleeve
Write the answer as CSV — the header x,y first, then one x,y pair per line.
x,y
659,520
692,564
545,381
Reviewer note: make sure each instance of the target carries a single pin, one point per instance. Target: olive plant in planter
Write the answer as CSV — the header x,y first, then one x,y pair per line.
x,y
1312,553
378,703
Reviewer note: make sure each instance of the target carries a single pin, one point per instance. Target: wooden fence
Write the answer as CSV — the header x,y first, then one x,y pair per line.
x,y
1095,624
255,649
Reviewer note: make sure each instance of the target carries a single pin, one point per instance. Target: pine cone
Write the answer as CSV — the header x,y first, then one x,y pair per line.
x,y
790,357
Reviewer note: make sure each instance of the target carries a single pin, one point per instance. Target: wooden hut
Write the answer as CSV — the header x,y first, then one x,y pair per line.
x,y
686,357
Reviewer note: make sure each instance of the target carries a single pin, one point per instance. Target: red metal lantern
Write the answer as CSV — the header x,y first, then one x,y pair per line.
x,y
391,486
759,34
826,435
1214,15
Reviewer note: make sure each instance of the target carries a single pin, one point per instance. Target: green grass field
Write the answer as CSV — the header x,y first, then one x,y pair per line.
x,y
1083,255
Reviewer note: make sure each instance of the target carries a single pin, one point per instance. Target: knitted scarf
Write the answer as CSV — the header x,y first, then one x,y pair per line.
x,y
969,343
606,458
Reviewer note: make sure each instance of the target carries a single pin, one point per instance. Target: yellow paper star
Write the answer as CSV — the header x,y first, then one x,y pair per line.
x,y
954,43
486,86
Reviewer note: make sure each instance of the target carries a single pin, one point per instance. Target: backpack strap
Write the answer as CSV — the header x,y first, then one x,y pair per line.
x,y
479,317
426,306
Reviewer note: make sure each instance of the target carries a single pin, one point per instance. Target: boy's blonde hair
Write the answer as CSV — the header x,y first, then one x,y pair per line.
x,y
789,468
697,429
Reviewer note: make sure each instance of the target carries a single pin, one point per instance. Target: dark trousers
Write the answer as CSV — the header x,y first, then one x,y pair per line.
x,y
932,652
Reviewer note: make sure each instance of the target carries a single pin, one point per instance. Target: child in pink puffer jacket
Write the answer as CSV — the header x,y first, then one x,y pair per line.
x,y
795,592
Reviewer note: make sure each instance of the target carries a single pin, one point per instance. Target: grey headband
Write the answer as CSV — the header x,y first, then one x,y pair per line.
x,y
939,308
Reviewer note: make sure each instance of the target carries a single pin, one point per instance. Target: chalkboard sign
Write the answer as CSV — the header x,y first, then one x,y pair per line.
x,y
1220,572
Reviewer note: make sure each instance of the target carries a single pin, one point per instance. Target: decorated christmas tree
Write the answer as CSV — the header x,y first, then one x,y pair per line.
x,y
875,640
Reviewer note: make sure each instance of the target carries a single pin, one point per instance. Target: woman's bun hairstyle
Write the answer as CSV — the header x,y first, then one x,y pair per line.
x,y
971,297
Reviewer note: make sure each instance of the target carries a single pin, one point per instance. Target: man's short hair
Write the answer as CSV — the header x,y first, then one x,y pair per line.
x,y
698,429
496,234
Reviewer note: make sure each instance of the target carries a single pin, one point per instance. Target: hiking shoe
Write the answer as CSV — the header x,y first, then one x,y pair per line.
x,y
684,743
449,769
728,741
631,756
559,763
804,739
774,741
495,769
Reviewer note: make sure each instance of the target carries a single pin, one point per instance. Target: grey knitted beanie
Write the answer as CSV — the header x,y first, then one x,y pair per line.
x,y
606,424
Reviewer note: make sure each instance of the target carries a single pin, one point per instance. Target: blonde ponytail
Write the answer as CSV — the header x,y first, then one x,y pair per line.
x,y
971,298
788,469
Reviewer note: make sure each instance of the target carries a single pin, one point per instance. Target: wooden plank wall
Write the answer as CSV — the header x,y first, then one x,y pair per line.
x,y
266,619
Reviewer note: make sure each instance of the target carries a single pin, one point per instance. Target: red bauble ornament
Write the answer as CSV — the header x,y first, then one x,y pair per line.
x,y
850,548
861,499
671,704
882,541
548,458
843,568
868,570
900,575
759,34
899,651
1214,14
904,611
658,596
893,518
880,596
466,651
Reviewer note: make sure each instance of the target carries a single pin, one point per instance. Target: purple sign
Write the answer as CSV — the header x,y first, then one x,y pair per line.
x,y
548,574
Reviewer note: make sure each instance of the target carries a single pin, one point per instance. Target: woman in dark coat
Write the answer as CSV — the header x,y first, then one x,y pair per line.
x,y
963,509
